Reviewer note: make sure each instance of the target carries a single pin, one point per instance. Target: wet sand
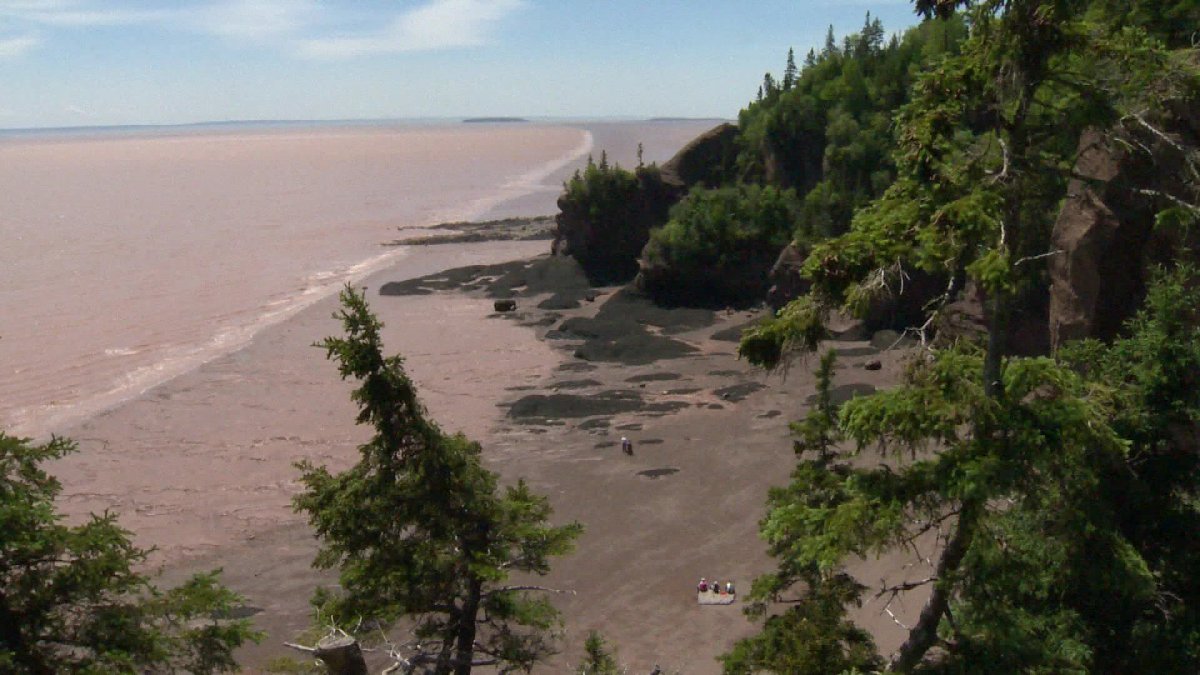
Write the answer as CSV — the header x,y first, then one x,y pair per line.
x,y
202,466
130,259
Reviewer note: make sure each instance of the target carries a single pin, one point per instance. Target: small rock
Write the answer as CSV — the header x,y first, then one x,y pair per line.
x,y
505,305
873,365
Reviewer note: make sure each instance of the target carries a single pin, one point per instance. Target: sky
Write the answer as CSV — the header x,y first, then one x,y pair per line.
x,y
113,62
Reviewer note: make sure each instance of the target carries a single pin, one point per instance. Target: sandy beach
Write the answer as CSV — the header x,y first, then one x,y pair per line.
x,y
200,465
710,436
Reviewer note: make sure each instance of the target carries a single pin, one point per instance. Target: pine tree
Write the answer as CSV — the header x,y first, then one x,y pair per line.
x,y
420,530
790,73
72,600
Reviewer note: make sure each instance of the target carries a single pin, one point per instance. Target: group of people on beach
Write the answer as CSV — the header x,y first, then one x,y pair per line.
x,y
715,586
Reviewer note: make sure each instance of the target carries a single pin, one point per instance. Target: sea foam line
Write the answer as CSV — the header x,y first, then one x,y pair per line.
x,y
527,183
176,361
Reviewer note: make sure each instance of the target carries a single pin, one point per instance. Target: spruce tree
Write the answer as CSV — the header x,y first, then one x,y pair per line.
x,y
419,530
1021,468
831,48
790,72
769,86
72,598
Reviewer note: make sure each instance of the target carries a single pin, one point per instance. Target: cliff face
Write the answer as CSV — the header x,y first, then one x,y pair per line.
x,y
1106,231
607,238
708,160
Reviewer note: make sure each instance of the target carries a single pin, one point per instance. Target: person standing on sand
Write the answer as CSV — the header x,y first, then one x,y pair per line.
x,y
626,446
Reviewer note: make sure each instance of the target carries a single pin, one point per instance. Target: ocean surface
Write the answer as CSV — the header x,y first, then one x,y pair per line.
x,y
128,257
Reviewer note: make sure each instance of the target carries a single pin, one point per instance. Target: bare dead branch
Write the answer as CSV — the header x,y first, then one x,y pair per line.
x,y
1031,258
905,586
1171,198
514,589
303,648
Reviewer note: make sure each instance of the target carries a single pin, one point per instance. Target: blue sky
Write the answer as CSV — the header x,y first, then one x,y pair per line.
x,y
92,62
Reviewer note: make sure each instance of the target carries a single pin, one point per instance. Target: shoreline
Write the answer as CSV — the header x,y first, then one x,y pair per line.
x,y
133,363
48,392
709,433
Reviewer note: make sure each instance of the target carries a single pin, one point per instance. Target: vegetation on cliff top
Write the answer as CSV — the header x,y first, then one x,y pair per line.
x,y
826,129
605,216
823,132
1061,492
715,246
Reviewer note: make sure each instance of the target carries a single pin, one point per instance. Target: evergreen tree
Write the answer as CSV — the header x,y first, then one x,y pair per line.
x,y
769,87
598,659
830,136
790,73
420,529
71,599
831,48
870,40
1020,467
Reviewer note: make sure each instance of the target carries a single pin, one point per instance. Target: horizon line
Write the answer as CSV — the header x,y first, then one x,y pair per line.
x,y
505,119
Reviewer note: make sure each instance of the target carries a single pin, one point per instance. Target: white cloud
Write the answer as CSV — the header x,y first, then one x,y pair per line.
x,y
16,46
75,13
256,20
301,27
439,24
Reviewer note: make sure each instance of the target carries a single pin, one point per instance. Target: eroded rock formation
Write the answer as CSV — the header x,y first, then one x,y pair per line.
x,y
1106,231
607,245
709,159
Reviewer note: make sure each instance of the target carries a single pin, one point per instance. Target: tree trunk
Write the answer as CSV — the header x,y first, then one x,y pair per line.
x,y
341,655
924,634
464,649
11,637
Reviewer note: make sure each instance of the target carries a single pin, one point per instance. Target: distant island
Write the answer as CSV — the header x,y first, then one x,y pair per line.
x,y
492,120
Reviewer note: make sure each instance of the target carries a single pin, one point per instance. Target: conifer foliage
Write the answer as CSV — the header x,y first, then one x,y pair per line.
x,y
72,599
1061,491
598,659
420,530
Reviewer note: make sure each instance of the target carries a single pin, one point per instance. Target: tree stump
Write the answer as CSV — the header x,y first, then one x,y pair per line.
x,y
341,655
